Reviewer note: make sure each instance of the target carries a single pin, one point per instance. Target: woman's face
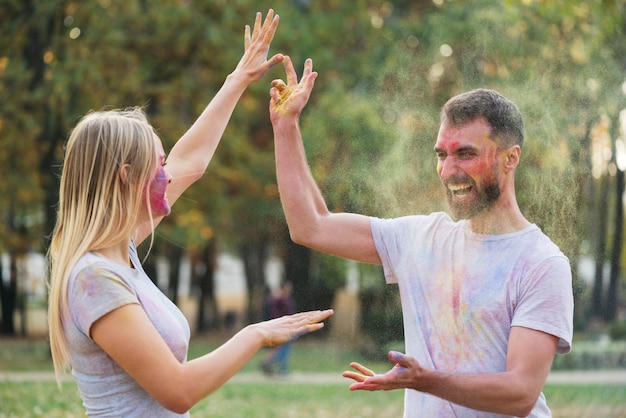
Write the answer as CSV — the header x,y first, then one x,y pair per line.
x,y
158,185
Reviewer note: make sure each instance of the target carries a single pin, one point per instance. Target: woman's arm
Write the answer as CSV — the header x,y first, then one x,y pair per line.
x,y
192,153
127,335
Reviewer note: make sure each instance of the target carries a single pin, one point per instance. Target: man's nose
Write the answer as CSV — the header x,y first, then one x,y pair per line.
x,y
447,168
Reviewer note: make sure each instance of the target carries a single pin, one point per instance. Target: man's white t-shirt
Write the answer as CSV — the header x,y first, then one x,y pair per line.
x,y
461,293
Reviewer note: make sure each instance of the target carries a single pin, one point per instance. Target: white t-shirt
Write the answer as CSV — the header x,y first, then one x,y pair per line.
x,y
461,292
96,287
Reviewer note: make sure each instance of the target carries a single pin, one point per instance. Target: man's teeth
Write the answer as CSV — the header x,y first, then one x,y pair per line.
x,y
459,188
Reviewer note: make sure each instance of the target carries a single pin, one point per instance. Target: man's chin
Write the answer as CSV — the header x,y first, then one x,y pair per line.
x,y
459,212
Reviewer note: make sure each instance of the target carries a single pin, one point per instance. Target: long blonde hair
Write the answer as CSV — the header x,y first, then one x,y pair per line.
x,y
97,207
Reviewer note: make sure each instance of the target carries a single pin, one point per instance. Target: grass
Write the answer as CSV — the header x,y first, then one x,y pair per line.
x,y
283,399
273,397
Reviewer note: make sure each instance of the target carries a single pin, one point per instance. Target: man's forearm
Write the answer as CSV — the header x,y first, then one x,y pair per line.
x,y
301,198
504,393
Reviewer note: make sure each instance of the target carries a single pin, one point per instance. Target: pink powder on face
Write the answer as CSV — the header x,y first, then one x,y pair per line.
x,y
158,198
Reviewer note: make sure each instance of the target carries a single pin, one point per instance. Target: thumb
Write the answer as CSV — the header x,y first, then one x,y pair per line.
x,y
398,358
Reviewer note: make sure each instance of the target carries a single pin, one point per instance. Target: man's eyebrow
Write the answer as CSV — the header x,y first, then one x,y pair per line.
x,y
457,149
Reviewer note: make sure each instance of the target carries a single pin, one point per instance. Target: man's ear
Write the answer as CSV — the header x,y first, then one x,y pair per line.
x,y
123,173
513,155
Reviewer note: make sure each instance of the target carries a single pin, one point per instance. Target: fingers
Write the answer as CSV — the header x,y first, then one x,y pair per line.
x,y
290,98
257,24
308,68
362,369
275,60
312,321
265,32
270,26
358,377
395,356
311,317
279,85
246,37
306,329
290,71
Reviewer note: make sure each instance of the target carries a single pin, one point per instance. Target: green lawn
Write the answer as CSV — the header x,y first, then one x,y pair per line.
x,y
274,397
284,399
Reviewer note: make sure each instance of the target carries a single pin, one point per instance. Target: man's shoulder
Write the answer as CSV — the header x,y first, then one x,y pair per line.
x,y
432,218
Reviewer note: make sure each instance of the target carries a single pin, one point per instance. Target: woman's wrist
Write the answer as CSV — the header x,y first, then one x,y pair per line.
x,y
255,334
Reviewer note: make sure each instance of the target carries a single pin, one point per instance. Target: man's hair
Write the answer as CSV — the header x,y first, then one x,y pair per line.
x,y
504,117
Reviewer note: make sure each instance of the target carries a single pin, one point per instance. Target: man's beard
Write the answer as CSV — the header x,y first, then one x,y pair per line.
x,y
485,196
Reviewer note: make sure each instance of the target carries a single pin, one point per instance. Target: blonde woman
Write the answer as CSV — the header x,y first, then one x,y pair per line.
x,y
125,342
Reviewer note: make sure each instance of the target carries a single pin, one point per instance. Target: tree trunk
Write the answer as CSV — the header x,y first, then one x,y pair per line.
x,y
610,310
208,315
175,256
253,255
8,298
298,261
600,226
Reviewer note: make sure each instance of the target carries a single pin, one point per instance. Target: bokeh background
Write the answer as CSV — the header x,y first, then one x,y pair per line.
x,y
385,68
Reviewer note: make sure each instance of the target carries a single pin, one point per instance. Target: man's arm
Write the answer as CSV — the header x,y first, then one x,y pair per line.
x,y
512,392
310,222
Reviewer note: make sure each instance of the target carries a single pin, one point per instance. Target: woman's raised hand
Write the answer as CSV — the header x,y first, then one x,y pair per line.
x,y
254,62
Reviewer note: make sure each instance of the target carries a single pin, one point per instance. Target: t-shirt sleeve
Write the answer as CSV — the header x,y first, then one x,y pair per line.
x,y
546,302
397,238
94,292
378,226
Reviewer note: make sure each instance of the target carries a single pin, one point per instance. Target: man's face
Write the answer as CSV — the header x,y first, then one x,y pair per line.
x,y
467,166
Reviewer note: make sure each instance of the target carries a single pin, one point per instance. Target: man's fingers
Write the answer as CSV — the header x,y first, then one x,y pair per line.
x,y
354,376
279,85
362,369
308,67
292,77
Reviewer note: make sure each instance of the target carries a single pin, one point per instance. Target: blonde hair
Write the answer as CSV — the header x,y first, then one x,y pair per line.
x,y
97,206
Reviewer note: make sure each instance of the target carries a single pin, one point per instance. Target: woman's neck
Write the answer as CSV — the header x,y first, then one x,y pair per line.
x,y
117,253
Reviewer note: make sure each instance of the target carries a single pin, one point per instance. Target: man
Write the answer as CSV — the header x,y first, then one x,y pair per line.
x,y
487,299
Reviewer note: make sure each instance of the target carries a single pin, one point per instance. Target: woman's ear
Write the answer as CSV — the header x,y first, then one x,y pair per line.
x,y
124,174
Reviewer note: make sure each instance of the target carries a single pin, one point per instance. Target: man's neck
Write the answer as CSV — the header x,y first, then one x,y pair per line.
x,y
498,220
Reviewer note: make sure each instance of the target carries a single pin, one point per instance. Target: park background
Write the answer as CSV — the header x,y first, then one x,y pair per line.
x,y
385,69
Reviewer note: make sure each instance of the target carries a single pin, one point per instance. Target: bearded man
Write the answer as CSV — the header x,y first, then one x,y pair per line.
x,y
486,296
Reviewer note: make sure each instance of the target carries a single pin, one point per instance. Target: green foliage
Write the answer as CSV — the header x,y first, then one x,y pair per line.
x,y
593,355
617,331
384,71
381,319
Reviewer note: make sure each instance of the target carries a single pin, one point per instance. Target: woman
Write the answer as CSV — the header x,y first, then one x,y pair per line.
x,y
124,340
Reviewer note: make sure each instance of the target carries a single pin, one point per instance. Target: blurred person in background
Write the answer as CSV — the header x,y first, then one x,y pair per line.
x,y
280,304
